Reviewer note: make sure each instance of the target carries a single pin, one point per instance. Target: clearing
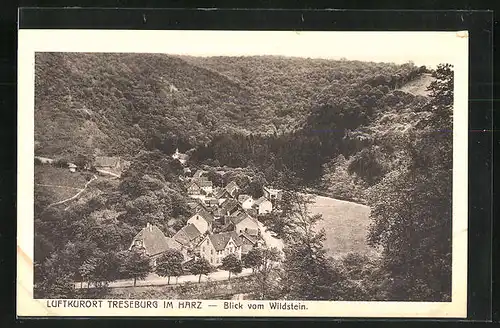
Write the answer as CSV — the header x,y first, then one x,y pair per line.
x,y
345,223
418,87
57,184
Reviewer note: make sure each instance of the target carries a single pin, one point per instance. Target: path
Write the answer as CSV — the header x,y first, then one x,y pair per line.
x,y
155,280
74,196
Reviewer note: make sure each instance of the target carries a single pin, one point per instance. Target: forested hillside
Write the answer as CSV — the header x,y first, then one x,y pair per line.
x,y
114,104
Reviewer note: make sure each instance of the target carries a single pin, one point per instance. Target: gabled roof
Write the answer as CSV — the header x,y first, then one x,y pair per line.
x,y
248,239
106,161
153,240
187,234
260,201
173,244
221,193
220,240
232,186
193,184
240,217
229,204
205,215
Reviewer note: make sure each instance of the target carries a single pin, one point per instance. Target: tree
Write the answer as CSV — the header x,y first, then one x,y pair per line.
x,y
135,265
199,267
307,274
170,264
412,212
232,264
252,259
268,259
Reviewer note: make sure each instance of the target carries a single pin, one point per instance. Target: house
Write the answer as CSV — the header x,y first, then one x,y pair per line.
x,y
221,194
244,223
230,206
188,236
217,246
202,220
272,194
248,242
232,188
72,167
154,243
113,166
246,201
193,188
263,206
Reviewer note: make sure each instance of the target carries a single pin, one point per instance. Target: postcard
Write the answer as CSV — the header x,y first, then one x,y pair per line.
x,y
242,174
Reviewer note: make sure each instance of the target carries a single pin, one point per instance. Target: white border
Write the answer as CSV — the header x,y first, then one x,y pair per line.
x,y
424,48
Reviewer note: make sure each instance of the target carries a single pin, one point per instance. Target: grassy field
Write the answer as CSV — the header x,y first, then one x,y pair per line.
x,y
58,183
419,86
345,224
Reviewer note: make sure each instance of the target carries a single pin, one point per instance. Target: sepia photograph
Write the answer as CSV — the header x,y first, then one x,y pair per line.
x,y
227,171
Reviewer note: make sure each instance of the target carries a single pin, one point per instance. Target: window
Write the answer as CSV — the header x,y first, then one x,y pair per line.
x,y
212,252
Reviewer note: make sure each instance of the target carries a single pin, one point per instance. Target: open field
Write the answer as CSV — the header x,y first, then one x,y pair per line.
x,y
58,183
418,87
345,223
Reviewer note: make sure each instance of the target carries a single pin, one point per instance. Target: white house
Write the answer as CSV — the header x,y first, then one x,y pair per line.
x,y
263,205
244,223
246,201
215,247
202,220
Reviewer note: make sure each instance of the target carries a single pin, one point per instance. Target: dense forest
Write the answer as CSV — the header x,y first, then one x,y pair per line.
x,y
341,128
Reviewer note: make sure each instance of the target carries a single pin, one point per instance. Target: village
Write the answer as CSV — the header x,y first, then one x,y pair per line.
x,y
224,221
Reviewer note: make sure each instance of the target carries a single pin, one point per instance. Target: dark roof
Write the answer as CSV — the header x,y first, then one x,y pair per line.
x,y
153,240
206,215
220,193
187,234
220,240
231,186
248,239
229,204
173,244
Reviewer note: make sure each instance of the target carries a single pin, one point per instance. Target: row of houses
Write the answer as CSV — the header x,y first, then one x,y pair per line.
x,y
200,187
223,222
